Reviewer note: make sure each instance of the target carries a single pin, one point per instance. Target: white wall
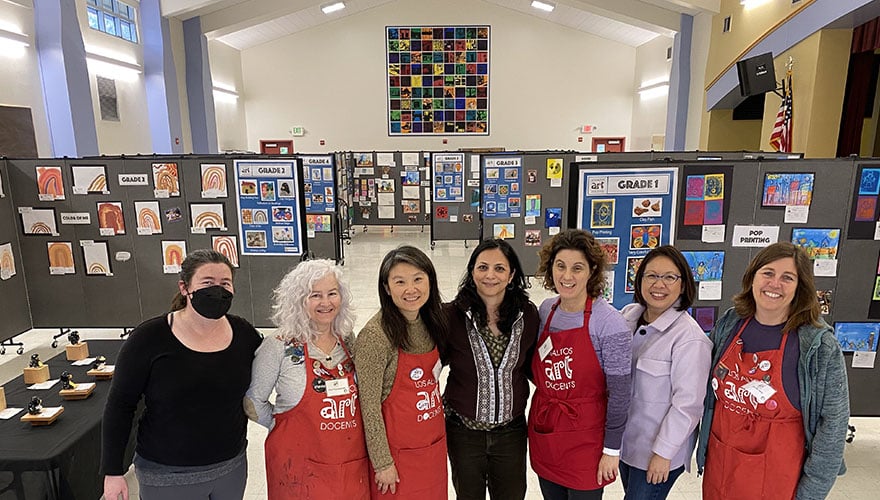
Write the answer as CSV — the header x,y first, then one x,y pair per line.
x,y
131,134
229,112
702,34
545,81
649,111
20,84
178,53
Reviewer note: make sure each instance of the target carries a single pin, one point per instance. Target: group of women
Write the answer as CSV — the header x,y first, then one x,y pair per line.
x,y
616,392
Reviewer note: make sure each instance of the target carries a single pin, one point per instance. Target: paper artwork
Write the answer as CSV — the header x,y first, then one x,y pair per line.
x,y
50,185
318,223
213,180
228,246
207,215
818,243
533,238
706,266
110,217
632,267
173,253
148,219
792,189
826,300
7,261
854,337
38,221
96,258
60,257
89,179
503,231
611,247
165,178
644,236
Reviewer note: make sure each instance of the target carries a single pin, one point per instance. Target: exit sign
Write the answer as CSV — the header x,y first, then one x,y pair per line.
x,y
297,131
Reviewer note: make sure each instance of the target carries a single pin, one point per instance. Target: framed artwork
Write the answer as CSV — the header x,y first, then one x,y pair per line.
x,y
864,210
38,220
110,219
213,180
165,179
89,179
787,189
148,219
60,257
207,215
50,185
704,199
173,253
438,80
228,246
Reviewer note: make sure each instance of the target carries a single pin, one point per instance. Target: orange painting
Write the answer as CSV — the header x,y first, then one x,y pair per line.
x,y
213,180
227,246
173,253
148,216
110,216
207,215
165,178
7,261
61,255
49,182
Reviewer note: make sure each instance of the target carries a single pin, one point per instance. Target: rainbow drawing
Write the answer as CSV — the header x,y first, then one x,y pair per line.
x,y
261,217
98,184
110,216
209,215
213,180
227,246
7,261
49,182
96,258
165,178
61,255
98,268
173,253
89,179
38,221
148,216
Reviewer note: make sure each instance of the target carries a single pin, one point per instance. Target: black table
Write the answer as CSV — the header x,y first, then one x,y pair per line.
x,y
62,460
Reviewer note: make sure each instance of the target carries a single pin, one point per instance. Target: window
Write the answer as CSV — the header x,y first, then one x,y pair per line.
x,y
113,17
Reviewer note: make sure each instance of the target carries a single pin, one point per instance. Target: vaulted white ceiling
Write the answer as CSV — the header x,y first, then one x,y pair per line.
x,y
247,23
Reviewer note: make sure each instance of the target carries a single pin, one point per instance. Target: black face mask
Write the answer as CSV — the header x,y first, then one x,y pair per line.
x,y
211,302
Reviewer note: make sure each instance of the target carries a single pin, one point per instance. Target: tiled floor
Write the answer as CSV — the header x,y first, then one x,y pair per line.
x,y
362,258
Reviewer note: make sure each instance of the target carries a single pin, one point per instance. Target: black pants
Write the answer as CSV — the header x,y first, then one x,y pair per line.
x,y
553,491
495,458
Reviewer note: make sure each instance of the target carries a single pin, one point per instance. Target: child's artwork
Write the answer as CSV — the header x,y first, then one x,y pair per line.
x,y
363,159
213,180
385,185
318,223
411,206
782,190
826,299
533,238
644,236
50,185
503,231
60,257
706,266
632,267
38,220
173,253
228,246
647,207
110,219
96,257
705,199
611,247
866,193
552,217
705,316
148,219
165,178
7,261
602,214
818,243
89,179
856,336
207,215
533,205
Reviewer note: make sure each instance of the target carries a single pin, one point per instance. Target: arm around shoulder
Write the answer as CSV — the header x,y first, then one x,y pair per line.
x,y
264,376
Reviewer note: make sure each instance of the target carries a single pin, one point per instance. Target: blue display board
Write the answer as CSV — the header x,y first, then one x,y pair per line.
x,y
319,184
269,215
630,211
502,186
448,178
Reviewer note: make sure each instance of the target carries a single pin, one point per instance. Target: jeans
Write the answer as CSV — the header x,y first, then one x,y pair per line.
x,y
637,487
495,459
553,491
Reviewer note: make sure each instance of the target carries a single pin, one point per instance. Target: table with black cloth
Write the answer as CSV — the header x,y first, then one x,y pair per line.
x,y
62,460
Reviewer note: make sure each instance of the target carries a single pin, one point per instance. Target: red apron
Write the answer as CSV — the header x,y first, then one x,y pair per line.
x,y
567,418
415,429
316,449
755,450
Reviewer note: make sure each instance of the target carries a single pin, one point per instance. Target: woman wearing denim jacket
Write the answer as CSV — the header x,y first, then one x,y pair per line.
x,y
775,420
670,362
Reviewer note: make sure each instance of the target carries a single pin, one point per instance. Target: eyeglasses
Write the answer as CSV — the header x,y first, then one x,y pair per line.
x,y
668,279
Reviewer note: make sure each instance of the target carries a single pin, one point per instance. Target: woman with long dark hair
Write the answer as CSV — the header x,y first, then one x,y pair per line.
x,y
492,331
398,368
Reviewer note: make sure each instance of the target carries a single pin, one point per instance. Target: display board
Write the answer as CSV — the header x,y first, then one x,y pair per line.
x,y
390,188
270,212
455,187
13,290
321,194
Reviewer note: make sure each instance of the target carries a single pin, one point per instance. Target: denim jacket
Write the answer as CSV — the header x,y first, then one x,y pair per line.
x,y
824,404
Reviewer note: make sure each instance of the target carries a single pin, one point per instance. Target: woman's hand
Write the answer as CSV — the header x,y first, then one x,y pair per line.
x,y
658,469
115,486
607,469
387,479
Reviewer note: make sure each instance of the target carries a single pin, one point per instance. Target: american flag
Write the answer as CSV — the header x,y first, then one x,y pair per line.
x,y
780,139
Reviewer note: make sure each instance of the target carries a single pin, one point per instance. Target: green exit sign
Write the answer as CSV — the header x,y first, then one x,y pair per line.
x,y
297,131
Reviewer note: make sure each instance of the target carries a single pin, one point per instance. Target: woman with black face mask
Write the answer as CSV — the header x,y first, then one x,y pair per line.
x,y
192,366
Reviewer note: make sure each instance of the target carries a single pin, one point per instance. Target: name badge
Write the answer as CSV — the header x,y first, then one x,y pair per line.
x,y
545,348
761,390
438,366
337,387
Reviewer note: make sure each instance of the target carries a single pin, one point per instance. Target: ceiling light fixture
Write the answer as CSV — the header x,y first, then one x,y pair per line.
x,y
748,4
333,7
546,7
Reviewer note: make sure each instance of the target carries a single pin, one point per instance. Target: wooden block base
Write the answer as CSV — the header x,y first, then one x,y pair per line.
x,y
36,375
77,352
47,417
105,374
82,391
2,399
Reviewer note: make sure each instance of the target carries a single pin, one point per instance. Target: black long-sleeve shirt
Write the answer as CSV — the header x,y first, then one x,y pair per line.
x,y
194,414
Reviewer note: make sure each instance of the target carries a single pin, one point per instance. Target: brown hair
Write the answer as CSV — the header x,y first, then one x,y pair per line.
x,y
804,307
574,239
190,265
688,287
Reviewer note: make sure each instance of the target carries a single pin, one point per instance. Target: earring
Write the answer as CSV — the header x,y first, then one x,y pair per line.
x,y
510,285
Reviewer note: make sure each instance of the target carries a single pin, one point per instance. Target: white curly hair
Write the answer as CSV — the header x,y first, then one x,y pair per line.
x,y
289,299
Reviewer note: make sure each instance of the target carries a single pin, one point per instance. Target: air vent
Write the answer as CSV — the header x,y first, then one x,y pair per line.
x,y
107,99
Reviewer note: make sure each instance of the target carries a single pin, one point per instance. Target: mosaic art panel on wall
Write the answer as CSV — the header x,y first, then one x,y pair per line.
x,y
438,80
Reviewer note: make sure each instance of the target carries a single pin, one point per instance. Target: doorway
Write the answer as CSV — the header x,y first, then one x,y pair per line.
x,y
609,144
277,147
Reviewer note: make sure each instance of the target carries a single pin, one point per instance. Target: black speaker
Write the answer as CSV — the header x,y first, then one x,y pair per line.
x,y
756,75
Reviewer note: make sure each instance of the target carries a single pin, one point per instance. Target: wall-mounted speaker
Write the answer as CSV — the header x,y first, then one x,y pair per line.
x,y
756,75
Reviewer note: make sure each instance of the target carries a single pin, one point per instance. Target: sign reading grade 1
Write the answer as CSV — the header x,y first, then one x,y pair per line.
x,y
628,184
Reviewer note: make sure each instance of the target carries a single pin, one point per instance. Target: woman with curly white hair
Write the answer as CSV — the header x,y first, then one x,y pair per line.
x,y
315,447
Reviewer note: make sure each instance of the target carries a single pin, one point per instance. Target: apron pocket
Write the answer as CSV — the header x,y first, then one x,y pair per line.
x,y
739,474
422,468
346,480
